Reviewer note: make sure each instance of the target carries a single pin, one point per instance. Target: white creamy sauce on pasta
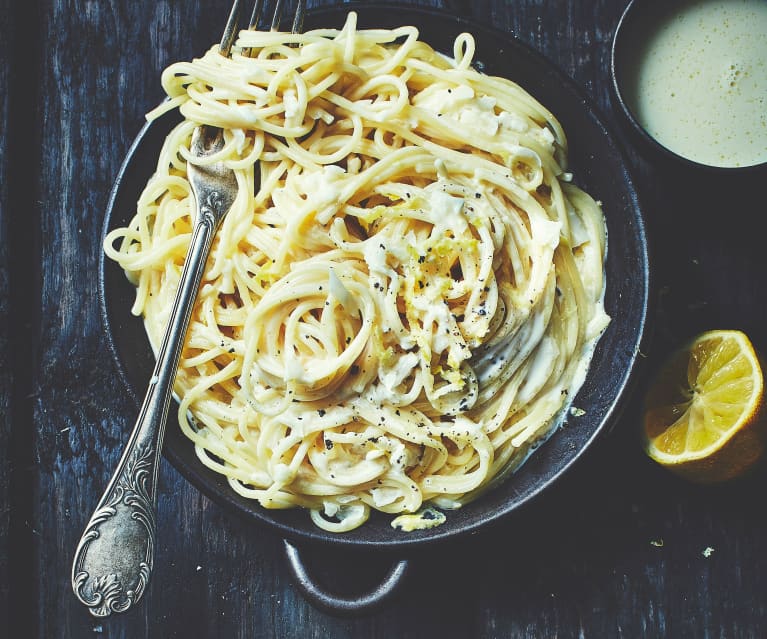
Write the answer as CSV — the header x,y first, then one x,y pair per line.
x,y
701,85
404,306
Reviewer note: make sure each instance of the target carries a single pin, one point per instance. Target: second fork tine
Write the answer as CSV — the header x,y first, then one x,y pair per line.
x,y
277,15
255,15
298,16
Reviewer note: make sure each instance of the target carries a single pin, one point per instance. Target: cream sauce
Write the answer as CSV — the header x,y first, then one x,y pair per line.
x,y
701,82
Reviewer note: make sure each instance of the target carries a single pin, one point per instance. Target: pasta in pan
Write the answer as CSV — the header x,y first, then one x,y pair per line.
x,y
407,290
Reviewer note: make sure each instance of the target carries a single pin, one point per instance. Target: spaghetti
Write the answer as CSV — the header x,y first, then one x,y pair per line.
x,y
407,290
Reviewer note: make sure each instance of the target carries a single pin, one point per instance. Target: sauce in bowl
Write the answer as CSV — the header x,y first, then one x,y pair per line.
x,y
696,79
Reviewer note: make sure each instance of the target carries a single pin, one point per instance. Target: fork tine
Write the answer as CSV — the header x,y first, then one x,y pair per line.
x,y
230,31
298,16
232,24
276,16
255,15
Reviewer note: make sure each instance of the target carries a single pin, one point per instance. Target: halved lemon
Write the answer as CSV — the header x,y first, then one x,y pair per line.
x,y
704,415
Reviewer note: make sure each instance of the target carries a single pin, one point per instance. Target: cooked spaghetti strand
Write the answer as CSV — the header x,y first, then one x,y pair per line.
x,y
408,299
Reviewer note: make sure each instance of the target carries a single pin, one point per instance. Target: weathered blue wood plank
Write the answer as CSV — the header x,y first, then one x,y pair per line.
x,y
19,305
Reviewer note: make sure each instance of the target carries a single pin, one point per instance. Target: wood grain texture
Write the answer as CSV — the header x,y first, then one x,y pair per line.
x,y
19,300
616,548
6,374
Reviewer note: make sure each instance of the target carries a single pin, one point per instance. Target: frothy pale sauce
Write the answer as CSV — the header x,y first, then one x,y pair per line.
x,y
701,81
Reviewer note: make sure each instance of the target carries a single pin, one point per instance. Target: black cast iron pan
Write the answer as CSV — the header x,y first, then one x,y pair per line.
x,y
599,167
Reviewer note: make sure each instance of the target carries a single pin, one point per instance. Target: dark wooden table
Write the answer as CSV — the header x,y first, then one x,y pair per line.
x,y
618,548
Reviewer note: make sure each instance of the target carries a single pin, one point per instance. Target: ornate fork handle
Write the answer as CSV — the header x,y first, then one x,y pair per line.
x,y
114,558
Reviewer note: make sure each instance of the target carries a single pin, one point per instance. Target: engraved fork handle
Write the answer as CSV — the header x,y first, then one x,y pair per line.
x,y
114,558
115,555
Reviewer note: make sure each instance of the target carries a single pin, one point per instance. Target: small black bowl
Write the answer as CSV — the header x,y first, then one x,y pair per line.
x,y
639,19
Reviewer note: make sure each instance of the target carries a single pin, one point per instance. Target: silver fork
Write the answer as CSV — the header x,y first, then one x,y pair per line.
x,y
115,555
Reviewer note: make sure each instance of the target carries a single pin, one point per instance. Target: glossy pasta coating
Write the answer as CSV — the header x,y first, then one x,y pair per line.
x,y
407,290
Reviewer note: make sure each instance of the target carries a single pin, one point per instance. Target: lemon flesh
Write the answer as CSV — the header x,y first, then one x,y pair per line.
x,y
703,414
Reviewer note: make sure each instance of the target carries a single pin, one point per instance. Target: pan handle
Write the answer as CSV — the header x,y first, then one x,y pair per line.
x,y
345,605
